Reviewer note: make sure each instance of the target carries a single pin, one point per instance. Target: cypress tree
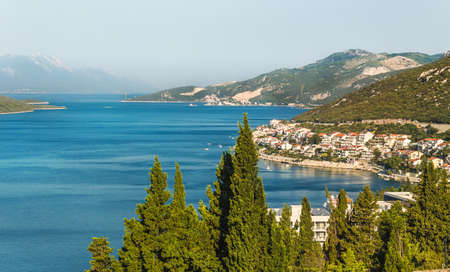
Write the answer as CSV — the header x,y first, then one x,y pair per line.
x,y
184,250
144,238
215,215
429,215
337,232
309,254
247,235
102,260
278,249
364,238
288,233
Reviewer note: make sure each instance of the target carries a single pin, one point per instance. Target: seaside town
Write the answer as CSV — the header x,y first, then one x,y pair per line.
x,y
390,156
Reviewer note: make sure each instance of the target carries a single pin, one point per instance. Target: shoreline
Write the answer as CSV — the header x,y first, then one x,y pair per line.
x,y
27,111
337,165
16,112
208,105
320,164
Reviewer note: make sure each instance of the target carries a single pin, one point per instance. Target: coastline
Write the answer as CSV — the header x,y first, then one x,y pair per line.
x,y
338,165
16,112
27,111
320,164
218,105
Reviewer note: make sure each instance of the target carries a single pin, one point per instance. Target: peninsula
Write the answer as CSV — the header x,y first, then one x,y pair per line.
x,y
10,105
309,86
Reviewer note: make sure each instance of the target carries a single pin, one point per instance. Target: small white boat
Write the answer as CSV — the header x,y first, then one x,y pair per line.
x,y
220,146
192,105
206,149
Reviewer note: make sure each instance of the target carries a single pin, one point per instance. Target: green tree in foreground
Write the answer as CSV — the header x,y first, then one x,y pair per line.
x,y
144,238
185,248
429,216
248,226
310,252
215,215
364,237
102,260
349,263
337,232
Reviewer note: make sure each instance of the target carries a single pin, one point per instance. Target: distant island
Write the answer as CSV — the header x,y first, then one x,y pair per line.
x,y
10,105
309,86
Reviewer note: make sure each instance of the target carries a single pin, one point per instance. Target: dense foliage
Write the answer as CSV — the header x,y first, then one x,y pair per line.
x,y
416,94
237,232
314,84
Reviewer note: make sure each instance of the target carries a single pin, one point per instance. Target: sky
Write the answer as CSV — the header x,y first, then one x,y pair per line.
x,y
199,42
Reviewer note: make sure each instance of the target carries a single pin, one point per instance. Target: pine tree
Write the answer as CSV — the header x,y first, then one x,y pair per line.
x,y
364,238
338,231
247,236
429,215
102,260
144,237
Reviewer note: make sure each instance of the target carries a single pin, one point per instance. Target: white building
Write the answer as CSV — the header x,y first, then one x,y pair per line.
x,y
320,217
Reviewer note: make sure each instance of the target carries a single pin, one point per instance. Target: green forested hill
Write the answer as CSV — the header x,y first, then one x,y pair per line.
x,y
8,105
313,84
421,94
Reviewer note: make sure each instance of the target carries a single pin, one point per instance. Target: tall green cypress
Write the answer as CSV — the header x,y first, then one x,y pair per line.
x,y
102,260
364,237
215,215
247,235
429,215
184,248
278,249
288,233
309,252
145,235
338,231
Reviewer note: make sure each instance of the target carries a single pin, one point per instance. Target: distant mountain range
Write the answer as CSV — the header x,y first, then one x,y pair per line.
x,y
48,74
313,84
421,94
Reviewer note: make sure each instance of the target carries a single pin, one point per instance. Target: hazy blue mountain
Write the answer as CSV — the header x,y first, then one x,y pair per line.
x,y
44,73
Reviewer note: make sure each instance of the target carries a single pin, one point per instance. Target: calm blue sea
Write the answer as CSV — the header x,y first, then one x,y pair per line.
x,y
66,176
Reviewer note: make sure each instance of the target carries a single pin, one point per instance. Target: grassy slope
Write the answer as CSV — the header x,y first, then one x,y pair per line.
x,y
400,96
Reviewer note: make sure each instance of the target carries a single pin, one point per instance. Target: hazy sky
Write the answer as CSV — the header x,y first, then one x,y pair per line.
x,y
169,43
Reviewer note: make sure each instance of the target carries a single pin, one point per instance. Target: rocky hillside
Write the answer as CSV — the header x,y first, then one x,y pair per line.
x,y
421,94
45,73
313,84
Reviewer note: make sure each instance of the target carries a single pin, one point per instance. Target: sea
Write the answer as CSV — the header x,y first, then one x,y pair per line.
x,y
69,175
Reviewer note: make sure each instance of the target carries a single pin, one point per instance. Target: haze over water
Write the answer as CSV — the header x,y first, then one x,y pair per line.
x,y
69,175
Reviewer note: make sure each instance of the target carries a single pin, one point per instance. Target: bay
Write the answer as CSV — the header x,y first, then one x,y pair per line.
x,y
66,176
